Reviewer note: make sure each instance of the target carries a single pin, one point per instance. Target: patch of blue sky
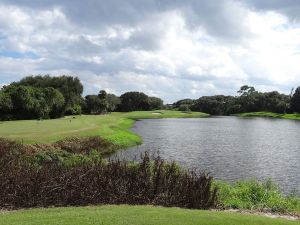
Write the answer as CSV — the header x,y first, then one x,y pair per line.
x,y
18,55
7,78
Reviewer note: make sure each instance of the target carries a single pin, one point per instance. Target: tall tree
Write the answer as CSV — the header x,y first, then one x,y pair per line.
x,y
134,101
69,86
113,102
102,94
214,105
6,106
95,105
55,101
295,101
155,103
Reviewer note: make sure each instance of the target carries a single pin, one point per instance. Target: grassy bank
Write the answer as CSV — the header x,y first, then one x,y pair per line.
x,y
270,115
256,195
113,127
133,215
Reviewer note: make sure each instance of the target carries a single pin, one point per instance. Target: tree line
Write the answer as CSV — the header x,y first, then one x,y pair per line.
x,y
43,97
247,100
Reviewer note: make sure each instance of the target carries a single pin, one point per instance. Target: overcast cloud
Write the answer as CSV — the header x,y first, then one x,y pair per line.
x,y
169,48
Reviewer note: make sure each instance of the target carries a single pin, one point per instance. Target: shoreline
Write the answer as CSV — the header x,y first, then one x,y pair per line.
x,y
123,122
114,127
289,116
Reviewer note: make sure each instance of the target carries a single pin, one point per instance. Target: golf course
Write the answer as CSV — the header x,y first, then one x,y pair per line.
x,y
115,128
112,127
156,112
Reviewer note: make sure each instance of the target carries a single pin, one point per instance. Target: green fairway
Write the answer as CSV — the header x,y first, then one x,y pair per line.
x,y
113,127
293,116
132,215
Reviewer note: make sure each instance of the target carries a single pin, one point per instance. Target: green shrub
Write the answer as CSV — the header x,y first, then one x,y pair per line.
x,y
67,159
252,194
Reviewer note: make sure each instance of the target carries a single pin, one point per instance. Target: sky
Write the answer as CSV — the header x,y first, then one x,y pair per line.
x,y
172,49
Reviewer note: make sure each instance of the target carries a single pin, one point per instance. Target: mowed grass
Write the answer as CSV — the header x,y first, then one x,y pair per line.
x,y
132,215
292,116
113,127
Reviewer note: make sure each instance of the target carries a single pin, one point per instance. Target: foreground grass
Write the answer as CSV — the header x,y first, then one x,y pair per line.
x,y
132,215
271,115
113,127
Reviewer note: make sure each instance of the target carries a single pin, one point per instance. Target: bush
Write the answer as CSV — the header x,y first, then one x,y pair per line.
x,y
63,179
252,194
74,110
66,159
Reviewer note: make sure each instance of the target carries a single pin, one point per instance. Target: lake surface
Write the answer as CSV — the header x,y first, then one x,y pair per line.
x,y
230,148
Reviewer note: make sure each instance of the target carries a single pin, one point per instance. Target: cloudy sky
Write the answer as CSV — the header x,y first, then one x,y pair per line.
x,y
169,48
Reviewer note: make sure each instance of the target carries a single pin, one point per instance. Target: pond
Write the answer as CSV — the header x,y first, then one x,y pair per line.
x,y
229,148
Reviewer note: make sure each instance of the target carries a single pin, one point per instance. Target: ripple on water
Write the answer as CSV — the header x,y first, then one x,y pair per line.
x,y
229,148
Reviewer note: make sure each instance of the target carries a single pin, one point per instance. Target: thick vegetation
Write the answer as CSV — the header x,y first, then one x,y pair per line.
x,y
247,100
133,215
42,97
291,116
255,195
31,179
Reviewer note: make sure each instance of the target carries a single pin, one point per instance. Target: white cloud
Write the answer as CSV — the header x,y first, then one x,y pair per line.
x,y
174,51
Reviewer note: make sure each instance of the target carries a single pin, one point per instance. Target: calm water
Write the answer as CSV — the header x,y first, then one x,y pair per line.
x,y
229,148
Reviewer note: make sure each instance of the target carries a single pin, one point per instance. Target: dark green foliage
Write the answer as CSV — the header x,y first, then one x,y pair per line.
x,y
138,101
246,90
249,100
253,101
37,97
41,97
102,94
276,102
95,105
70,87
187,102
27,102
155,103
134,101
74,110
184,108
101,103
47,181
6,106
55,101
113,102
295,101
214,105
